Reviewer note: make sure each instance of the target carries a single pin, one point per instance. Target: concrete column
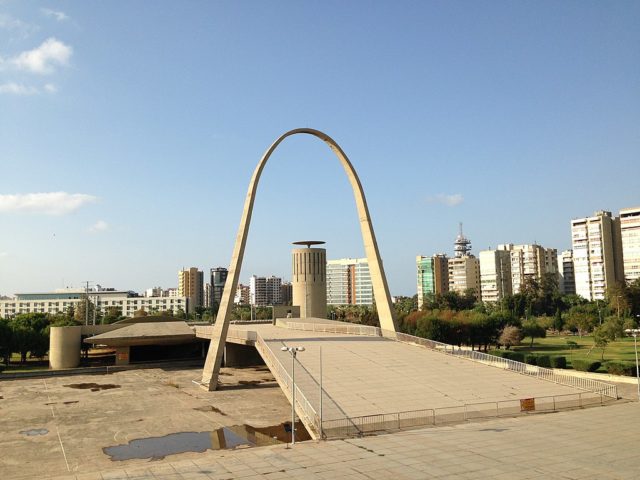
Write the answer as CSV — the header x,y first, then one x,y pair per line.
x,y
64,347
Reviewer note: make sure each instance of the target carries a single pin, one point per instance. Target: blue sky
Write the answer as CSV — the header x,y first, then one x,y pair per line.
x,y
129,130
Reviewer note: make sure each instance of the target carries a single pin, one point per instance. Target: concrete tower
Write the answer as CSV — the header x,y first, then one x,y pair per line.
x,y
309,279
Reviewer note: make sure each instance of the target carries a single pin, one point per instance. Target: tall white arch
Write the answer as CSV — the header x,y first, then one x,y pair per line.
x,y
380,289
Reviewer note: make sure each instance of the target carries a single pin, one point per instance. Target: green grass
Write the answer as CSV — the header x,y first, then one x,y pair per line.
x,y
621,350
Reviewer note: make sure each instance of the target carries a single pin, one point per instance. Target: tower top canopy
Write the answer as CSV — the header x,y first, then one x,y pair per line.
x,y
309,243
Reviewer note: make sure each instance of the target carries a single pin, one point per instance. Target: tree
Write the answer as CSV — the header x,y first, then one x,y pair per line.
x,y
112,314
85,311
609,331
30,333
510,336
140,313
6,336
531,329
558,322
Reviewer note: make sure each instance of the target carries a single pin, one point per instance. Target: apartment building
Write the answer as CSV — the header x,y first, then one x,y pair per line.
x,y
190,285
60,301
264,290
597,254
432,276
630,239
530,262
464,273
566,276
349,282
495,275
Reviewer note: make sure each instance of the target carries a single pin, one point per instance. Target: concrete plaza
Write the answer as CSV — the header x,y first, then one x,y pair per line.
x,y
598,442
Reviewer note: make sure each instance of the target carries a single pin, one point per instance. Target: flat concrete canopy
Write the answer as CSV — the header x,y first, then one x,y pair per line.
x,y
150,333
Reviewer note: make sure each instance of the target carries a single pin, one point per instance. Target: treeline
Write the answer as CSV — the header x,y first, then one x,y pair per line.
x,y
460,319
27,334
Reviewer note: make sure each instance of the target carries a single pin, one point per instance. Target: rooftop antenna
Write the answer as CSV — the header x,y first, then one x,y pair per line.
x,y
462,245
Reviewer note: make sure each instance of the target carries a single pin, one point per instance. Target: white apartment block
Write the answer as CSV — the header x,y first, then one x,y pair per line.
x,y
60,301
529,262
597,257
349,282
464,273
495,275
264,290
630,239
566,276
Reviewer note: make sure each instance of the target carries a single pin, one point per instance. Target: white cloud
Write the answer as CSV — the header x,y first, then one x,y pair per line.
x,y
44,58
448,200
99,226
51,203
60,16
12,88
51,88
4,254
7,22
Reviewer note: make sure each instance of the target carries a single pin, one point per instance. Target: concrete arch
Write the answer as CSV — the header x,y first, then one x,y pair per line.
x,y
380,287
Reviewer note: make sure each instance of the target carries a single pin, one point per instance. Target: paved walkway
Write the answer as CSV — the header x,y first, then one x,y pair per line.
x,y
596,443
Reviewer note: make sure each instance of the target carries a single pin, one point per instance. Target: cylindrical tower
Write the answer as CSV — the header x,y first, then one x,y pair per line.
x,y
64,347
309,279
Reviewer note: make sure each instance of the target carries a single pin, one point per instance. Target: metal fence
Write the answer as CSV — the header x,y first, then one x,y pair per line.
x,y
372,424
542,373
330,328
304,409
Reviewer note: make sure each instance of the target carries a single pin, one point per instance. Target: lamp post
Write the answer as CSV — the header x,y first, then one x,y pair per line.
x,y
293,351
634,333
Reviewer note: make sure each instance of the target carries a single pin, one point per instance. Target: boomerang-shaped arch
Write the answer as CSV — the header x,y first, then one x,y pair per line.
x,y
379,281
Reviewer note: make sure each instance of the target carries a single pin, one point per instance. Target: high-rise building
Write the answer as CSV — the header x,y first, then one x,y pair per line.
x,y
530,262
566,277
495,275
433,276
218,279
630,239
190,285
208,292
243,295
464,274
597,254
349,282
264,290
286,293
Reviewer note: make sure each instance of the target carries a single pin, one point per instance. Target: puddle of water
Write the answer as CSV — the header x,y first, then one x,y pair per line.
x,y
94,387
34,431
237,436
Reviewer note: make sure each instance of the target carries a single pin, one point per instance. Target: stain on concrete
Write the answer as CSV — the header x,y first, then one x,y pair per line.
x,y
94,387
34,432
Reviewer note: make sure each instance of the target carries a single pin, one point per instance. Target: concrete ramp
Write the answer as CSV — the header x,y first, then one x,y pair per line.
x,y
375,377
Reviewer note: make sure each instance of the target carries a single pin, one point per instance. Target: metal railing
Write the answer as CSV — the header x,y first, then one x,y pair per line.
x,y
542,373
330,328
303,407
371,424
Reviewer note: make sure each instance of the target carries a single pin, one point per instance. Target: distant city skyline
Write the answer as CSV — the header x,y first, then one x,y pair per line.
x,y
127,141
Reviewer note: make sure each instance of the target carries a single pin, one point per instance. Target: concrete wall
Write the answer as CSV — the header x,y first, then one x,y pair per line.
x,y
64,347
